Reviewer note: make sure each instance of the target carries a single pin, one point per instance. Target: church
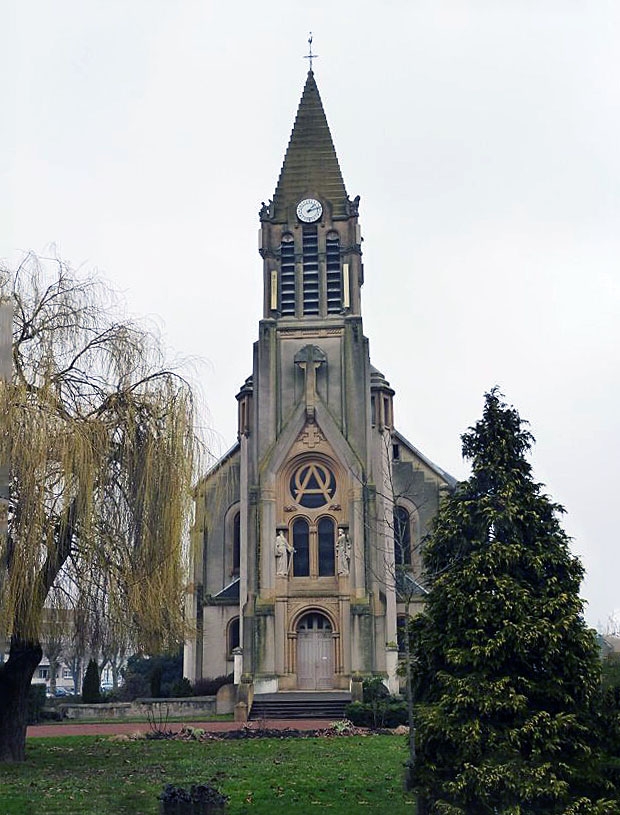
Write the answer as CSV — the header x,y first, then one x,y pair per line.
x,y
307,532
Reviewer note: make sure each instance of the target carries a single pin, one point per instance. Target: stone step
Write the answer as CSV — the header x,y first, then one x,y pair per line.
x,y
300,705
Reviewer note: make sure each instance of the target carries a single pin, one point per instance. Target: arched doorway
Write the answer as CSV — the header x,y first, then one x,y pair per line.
x,y
315,652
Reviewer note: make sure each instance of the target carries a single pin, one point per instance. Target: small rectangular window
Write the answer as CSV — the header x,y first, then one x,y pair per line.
x,y
396,452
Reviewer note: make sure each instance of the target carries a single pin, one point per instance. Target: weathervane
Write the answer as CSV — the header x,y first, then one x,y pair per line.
x,y
310,55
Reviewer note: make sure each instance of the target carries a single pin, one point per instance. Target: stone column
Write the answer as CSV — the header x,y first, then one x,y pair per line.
x,y
238,665
391,664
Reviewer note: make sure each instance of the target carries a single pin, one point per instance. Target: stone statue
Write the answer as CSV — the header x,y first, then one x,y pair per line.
x,y
265,210
343,551
282,548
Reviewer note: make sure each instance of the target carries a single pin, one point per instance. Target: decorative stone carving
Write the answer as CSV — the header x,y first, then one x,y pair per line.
x,y
309,359
311,436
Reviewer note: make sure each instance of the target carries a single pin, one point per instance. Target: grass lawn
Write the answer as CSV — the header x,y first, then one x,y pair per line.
x,y
92,775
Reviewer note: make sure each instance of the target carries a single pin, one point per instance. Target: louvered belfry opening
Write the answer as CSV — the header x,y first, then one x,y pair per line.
x,y
287,275
310,250
334,277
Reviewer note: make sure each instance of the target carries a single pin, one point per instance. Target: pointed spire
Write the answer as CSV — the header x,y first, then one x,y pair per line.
x,y
310,164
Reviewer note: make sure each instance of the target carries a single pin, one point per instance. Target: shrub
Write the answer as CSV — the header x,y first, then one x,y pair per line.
x,y
181,688
389,712
91,694
209,687
173,798
111,695
155,681
36,701
169,667
50,714
373,689
135,686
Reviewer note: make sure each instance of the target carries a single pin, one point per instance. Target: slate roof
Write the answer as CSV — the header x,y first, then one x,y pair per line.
x,y
408,586
310,164
228,596
450,480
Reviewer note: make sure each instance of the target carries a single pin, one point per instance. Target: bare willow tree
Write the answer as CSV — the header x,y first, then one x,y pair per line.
x,y
99,442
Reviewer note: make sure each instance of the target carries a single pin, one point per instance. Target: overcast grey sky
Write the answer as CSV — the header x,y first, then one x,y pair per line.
x,y
140,136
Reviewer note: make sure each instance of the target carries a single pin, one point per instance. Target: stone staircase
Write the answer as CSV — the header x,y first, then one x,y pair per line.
x,y
300,705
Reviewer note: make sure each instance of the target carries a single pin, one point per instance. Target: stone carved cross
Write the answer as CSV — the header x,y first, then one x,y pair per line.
x,y
309,359
311,437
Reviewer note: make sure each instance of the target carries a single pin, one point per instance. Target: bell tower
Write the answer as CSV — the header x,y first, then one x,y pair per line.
x,y
307,446
310,237
310,243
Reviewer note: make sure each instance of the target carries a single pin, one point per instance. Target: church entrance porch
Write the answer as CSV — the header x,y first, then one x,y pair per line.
x,y
315,653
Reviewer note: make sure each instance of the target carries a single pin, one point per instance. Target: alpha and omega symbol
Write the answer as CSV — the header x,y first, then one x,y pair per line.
x,y
313,485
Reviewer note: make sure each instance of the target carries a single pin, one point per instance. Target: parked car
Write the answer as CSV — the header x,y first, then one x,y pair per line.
x,y
63,692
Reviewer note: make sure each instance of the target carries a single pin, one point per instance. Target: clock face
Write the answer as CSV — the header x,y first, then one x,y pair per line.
x,y
309,210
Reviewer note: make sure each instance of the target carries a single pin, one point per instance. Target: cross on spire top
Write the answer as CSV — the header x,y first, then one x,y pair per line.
x,y
310,56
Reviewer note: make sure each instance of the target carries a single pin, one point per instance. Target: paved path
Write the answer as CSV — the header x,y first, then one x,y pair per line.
x,y
120,727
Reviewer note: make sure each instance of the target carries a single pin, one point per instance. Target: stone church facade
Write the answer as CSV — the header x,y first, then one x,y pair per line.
x,y
307,531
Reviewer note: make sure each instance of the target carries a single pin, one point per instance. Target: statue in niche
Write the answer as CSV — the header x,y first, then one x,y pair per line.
x,y
343,551
282,550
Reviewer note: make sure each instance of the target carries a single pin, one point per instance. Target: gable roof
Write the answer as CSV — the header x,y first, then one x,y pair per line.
x,y
229,595
450,480
408,586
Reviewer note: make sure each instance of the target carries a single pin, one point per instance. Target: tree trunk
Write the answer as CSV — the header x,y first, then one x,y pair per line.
x,y
77,672
53,672
15,678
115,673
410,764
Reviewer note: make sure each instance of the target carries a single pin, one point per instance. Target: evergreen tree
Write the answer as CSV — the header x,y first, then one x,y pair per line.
x,y
507,673
91,693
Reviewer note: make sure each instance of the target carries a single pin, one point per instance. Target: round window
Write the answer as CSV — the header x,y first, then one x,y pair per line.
x,y
313,485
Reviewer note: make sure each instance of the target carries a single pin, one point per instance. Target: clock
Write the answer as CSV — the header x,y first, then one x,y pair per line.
x,y
309,210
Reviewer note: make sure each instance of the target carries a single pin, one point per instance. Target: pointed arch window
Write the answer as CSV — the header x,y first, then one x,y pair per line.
x,y
236,543
327,553
402,537
301,545
232,635
287,275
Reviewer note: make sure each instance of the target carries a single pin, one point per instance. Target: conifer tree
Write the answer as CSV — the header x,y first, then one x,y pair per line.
x,y
91,692
507,672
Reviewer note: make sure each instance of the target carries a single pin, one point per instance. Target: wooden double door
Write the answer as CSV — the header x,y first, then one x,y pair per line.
x,y
315,653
